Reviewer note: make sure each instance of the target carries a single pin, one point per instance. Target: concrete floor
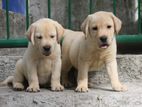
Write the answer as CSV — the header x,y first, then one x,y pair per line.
x,y
100,96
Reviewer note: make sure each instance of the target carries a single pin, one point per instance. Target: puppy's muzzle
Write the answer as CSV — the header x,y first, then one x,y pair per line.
x,y
104,43
46,50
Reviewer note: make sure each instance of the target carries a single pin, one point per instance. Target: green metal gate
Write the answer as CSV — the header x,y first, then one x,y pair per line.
x,y
136,39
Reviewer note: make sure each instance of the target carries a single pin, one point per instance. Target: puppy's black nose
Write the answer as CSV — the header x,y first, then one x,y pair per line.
x,y
47,48
103,39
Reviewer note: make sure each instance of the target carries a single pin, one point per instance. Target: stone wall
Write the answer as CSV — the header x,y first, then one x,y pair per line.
x,y
126,11
0,4
17,24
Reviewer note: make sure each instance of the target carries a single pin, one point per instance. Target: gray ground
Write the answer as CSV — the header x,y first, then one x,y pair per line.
x,y
100,96
130,72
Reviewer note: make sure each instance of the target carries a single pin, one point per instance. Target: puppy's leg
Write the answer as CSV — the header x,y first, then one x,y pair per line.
x,y
55,78
32,79
66,66
18,76
7,81
82,80
113,75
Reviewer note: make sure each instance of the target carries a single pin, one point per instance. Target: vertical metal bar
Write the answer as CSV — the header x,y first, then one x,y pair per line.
x,y
141,14
69,14
90,6
114,7
139,17
49,8
7,19
27,14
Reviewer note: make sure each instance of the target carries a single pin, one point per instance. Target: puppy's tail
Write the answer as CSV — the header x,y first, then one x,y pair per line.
x,y
8,81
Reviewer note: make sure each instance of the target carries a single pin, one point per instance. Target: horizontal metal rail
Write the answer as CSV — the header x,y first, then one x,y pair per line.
x,y
131,44
13,43
121,39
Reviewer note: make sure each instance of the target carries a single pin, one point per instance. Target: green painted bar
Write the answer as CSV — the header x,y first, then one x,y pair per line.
x,y
114,7
121,39
13,43
129,39
69,14
27,14
129,44
49,8
7,19
90,6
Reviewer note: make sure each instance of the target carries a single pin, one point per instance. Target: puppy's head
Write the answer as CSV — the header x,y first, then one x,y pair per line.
x,y
101,27
44,34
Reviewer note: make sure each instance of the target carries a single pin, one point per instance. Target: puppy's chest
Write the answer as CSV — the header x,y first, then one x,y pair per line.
x,y
44,71
97,62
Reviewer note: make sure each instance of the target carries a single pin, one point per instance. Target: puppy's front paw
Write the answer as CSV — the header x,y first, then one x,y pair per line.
x,y
57,87
120,87
33,88
81,89
18,86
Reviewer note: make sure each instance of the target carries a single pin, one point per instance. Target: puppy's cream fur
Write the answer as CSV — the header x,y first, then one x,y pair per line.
x,y
42,59
87,52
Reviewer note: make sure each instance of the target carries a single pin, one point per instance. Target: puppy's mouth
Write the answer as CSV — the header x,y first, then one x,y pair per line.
x,y
46,53
104,45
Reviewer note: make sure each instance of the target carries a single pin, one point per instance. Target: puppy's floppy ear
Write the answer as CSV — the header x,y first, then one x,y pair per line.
x,y
30,33
60,31
85,25
117,23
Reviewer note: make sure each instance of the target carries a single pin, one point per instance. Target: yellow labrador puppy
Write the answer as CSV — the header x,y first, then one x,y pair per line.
x,y
42,59
92,49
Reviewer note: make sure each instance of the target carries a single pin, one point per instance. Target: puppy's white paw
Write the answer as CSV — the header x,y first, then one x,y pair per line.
x,y
120,87
18,86
57,87
33,88
82,89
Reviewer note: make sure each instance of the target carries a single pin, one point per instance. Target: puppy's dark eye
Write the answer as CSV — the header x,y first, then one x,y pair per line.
x,y
95,28
52,36
39,37
109,26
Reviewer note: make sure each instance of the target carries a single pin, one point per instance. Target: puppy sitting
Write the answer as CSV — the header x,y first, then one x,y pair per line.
x,y
92,49
41,60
